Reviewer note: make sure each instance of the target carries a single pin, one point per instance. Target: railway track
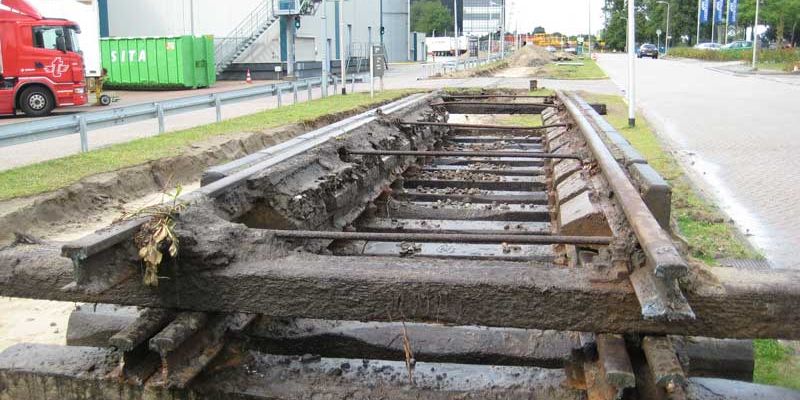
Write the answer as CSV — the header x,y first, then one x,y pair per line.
x,y
401,254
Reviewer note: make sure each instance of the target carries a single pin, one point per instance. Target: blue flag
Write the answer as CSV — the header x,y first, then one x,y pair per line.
x,y
705,10
719,10
734,10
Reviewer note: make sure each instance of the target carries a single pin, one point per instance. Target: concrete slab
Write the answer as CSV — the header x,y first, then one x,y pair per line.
x,y
581,216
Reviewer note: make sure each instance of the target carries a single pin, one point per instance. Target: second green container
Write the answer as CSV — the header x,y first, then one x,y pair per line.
x,y
159,63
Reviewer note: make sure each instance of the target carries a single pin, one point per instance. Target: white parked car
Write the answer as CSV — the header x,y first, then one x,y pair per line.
x,y
707,46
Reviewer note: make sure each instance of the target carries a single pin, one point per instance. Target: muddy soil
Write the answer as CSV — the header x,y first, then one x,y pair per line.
x,y
89,200
41,321
96,201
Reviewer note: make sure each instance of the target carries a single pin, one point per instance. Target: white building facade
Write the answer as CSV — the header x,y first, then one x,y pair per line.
x,y
482,17
363,20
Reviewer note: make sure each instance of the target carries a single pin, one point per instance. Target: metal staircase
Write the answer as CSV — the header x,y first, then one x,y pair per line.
x,y
229,48
358,61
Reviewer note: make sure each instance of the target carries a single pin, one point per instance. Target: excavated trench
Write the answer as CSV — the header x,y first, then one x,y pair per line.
x,y
331,189
432,230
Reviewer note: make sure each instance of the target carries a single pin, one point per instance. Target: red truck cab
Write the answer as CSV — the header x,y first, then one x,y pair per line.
x,y
41,65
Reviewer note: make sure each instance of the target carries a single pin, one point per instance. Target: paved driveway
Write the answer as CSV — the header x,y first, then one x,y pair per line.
x,y
740,136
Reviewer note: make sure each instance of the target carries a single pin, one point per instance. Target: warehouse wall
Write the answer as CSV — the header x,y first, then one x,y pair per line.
x,y
173,17
168,18
360,15
395,20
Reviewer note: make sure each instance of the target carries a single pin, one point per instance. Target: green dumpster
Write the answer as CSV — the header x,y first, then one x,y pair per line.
x,y
158,63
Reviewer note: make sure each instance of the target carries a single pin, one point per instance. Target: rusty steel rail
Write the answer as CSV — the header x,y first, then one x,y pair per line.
x,y
656,285
490,104
477,126
655,242
508,154
497,96
489,107
446,238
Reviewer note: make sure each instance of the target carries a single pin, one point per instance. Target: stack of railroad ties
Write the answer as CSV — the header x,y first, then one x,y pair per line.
x,y
282,253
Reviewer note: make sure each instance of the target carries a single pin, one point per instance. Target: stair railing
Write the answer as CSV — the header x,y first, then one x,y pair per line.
x,y
244,34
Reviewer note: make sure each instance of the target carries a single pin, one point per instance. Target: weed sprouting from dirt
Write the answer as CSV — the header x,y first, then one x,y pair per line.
x,y
156,237
409,355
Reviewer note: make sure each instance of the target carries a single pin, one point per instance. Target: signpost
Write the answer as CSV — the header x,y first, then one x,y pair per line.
x,y
377,66
658,41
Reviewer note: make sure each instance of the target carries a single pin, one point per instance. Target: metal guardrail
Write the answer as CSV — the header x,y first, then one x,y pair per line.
x,y
32,131
443,68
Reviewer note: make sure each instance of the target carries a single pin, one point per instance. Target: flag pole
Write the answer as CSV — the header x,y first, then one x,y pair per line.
x,y
713,19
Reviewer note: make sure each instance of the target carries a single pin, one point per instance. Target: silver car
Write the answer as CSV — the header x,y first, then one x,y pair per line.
x,y
708,46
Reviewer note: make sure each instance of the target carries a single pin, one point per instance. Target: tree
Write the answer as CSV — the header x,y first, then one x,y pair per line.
x,y
538,29
429,16
782,17
616,20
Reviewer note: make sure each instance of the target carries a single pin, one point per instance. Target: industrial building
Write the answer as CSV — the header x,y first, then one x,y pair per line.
x,y
482,17
478,17
248,34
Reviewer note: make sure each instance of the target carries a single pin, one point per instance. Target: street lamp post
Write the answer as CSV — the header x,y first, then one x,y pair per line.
x,y
455,32
343,51
727,21
503,31
755,37
666,40
699,9
326,64
590,29
631,64
491,30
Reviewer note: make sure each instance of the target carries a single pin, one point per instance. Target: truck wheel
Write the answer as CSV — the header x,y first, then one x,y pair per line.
x,y
36,101
105,100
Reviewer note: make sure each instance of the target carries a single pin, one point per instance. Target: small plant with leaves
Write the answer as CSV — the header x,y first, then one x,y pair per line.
x,y
156,238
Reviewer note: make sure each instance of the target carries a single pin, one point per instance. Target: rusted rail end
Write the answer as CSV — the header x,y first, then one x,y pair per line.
x,y
659,295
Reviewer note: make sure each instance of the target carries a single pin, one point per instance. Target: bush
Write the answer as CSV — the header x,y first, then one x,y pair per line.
x,y
785,56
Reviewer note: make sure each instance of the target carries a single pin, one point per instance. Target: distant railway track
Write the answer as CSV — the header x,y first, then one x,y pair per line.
x,y
428,231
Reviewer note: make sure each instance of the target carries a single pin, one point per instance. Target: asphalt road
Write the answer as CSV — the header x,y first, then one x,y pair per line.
x,y
738,136
124,98
397,77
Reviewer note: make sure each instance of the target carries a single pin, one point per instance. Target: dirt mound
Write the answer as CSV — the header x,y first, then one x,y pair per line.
x,y
530,56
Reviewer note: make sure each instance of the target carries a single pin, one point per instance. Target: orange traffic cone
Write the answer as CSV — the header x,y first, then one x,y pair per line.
x,y
249,79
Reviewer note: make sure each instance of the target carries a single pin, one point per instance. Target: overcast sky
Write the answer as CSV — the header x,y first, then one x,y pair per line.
x,y
565,16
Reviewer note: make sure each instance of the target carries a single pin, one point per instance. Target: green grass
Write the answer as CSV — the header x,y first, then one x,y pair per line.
x,y
776,364
709,235
54,174
589,70
521,120
771,66
499,64
784,59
